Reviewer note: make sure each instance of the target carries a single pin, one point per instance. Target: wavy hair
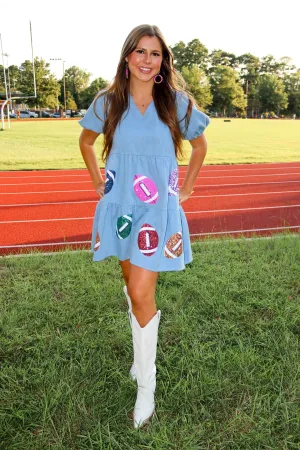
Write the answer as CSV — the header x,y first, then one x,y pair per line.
x,y
164,94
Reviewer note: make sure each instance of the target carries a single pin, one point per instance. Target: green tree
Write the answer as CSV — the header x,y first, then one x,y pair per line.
x,y
292,87
221,58
228,94
47,87
194,53
88,94
272,95
76,81
70,102
14,76
2,87
270,65
292,82
198,84
249,72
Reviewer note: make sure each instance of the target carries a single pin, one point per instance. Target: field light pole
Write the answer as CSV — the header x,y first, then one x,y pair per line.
x,y
10,98
64,79
6,90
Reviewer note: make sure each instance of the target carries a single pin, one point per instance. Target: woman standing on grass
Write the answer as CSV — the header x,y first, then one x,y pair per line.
x,y
144,116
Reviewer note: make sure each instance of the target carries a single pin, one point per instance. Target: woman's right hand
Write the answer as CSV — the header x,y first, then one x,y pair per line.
x,y
99,188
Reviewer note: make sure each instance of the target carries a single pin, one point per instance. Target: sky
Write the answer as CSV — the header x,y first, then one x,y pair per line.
x,y
90,33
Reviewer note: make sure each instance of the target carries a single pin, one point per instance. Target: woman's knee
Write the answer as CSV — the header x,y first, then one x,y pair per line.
x,y
138,294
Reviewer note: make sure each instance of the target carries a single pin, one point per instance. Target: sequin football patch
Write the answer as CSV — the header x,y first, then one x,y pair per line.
x,y
147,240
124,224
173,247
145,189
109,182
173,183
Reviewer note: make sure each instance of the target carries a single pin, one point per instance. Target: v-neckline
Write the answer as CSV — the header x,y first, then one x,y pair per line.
x,y
137,108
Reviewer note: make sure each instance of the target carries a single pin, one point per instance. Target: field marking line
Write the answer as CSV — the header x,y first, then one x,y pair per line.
x,y
194,196
186,212
196,186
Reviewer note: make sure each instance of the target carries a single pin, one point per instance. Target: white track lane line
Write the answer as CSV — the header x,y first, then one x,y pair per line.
x,y
46,220
246,165
48,192
52,182
205,169
241,209
192,235
45,245
246,231
191,198
244,176
180,178
186,212
53,203
197,185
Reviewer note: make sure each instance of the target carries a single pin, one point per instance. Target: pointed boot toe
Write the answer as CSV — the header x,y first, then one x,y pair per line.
x,y
144,407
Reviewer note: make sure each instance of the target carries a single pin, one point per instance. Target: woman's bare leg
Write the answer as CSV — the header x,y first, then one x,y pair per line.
x,y
125,266
141,289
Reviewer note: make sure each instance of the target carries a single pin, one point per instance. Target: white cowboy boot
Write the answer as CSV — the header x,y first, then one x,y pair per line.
x,y
144,346
132,372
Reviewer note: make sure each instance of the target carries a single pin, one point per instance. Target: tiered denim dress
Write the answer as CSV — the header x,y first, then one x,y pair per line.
x,y
139,217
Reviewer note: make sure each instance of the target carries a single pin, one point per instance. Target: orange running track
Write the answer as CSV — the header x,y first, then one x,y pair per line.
x,y
53,209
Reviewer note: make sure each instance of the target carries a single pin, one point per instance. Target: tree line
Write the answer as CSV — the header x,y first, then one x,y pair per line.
x,y
221,82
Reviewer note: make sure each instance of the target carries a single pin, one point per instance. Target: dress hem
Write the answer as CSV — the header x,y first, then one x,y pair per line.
x,y
143,267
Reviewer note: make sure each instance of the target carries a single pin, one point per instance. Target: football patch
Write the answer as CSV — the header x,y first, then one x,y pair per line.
x,y
173,183
97,243
147,240
109,182
124,224
173,247
145,189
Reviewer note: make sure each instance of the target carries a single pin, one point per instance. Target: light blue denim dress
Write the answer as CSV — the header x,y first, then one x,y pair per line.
x,y
139,217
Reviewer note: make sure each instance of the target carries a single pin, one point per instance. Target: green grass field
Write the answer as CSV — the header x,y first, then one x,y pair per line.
x,y
54,144
228,357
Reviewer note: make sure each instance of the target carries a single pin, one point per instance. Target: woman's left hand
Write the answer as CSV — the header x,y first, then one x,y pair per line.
x,y
184,195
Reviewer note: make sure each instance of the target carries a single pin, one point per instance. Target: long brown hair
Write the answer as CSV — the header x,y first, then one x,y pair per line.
x,y
164,94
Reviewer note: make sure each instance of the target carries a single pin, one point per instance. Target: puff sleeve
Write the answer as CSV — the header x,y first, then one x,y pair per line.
x,y
198,120
90,121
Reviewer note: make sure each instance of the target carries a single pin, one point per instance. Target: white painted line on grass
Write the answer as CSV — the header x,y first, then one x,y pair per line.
x,y
245,231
